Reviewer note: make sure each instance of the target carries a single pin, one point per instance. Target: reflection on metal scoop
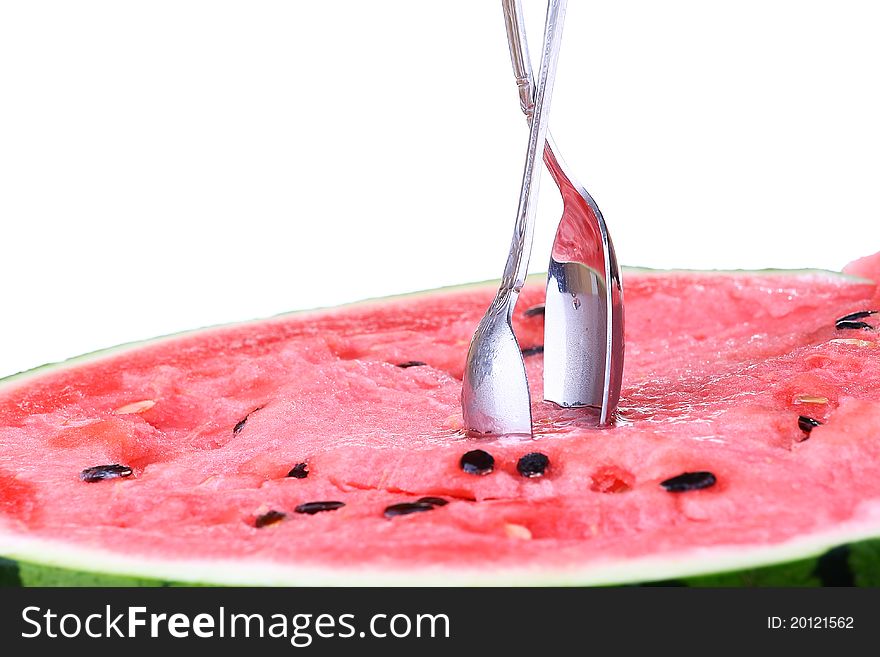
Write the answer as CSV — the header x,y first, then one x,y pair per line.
x,y
583,318
495,392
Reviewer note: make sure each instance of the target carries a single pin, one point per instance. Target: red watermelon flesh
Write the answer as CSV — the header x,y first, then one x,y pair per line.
x,y
719,368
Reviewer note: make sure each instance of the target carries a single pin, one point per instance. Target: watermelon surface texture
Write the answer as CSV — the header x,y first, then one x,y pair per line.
x,y
224,439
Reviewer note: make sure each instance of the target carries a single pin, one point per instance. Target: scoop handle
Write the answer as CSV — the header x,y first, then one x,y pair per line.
x,y
520,250
519,55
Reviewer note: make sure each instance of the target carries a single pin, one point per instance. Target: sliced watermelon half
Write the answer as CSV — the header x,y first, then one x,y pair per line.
x,y
325,447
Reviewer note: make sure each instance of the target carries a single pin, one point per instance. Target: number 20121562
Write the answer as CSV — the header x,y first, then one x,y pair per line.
x,y
810,623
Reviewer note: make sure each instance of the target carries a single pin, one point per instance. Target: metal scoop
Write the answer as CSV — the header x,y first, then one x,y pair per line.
x,y
583,317
495,391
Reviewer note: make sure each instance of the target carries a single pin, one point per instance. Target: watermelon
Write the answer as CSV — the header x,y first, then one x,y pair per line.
x,y
326,447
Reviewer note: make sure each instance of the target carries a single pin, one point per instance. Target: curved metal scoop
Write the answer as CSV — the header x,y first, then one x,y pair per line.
x,y
583,317
495,392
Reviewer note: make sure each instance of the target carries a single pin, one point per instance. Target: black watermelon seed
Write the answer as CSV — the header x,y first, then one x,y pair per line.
x,y
533,351
299,471
689,481
405,508
316,507
412,363
806,424
477,462
436,501
269,518
859,315
533,464
846,324
101,472
534,311
238,427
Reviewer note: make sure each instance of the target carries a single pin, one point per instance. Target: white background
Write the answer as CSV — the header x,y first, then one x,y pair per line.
x,y
172,164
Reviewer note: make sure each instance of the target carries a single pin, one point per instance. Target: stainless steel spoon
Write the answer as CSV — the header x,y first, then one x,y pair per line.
x,y
495,391
583,317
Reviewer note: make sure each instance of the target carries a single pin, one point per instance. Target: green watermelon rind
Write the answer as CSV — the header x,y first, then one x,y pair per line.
x,y
38,562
